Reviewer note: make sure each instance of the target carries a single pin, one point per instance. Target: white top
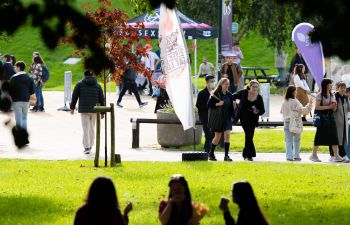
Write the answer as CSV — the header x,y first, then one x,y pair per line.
x,y
301,83
150,60
238,56
205,68
294,106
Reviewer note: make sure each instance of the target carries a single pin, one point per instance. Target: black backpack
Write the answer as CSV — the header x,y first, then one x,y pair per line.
x,y
46,74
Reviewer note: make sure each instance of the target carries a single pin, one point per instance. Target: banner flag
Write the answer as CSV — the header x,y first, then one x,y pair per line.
x,y
226,27
176,66
311,52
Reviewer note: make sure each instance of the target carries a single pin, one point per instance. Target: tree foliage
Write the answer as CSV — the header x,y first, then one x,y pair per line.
x,y
117,38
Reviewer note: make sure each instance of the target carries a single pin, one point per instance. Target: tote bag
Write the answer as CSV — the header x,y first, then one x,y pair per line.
x,y
215,117
295,123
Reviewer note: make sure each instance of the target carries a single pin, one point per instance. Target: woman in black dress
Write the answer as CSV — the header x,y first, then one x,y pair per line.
x,y
222,98
251,106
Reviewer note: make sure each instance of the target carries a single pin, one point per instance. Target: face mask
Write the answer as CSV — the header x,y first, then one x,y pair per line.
x,y
212,85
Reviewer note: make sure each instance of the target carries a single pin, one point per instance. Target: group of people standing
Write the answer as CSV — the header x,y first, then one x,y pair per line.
x,y
24,88
102,206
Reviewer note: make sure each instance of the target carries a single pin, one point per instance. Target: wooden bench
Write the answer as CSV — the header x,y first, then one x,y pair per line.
x,y
137,121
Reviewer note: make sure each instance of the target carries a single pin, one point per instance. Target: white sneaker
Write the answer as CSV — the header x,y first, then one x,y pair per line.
x,y
346,159
338,159
314,158
331,159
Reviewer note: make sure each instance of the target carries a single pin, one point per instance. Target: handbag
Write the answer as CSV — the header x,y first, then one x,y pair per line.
x,y
322,118
32,100
295,123
215,117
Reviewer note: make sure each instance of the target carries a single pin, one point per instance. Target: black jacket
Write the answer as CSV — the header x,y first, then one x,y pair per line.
x,y
89,93
7,71
297,60
243,100
129,75
21,87
201,104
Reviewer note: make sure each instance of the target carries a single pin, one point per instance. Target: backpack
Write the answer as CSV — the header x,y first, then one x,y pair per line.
x,y
46,74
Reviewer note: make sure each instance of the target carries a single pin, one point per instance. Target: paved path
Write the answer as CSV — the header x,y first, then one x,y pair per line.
x,y
57,135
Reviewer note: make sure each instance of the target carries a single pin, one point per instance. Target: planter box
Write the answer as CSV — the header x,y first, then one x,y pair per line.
x,y
169,135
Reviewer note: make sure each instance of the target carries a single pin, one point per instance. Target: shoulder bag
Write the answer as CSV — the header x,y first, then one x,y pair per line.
x,y
215,116
322,118
295,123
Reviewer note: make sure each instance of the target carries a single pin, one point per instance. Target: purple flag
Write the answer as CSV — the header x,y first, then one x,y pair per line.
x,y
311,52
226,27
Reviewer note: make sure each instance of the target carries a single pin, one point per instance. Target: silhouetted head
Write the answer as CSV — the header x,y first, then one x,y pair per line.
x,y
20,66
180,194
243,195
13,60
88,72
7,58
102,194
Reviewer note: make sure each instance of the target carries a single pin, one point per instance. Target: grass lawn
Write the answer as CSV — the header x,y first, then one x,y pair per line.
x,y
45,192
268,140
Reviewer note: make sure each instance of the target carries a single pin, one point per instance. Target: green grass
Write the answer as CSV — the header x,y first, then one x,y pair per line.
x,y
268,141
45,192
27,39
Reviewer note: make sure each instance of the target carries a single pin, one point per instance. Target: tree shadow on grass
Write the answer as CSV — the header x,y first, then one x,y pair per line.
x,y
27,210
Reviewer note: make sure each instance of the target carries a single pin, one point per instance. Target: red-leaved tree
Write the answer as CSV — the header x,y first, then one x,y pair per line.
x,y
117,38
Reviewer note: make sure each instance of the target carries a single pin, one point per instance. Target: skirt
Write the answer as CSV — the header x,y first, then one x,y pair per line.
x,y
227,125
327,136
302,96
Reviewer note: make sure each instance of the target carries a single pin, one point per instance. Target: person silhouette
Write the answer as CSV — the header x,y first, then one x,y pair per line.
x,y
249,210
101,206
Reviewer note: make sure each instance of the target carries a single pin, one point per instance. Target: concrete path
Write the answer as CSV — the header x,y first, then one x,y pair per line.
x,y
57,135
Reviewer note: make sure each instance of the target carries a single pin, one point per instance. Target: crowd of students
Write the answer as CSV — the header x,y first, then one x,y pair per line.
x,y
24,88
102,205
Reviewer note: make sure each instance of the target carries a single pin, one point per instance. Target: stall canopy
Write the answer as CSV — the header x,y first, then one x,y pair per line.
x,y
192,28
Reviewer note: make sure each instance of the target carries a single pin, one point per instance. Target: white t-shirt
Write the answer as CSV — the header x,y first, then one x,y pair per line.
x,y
205,68
150,60
301,83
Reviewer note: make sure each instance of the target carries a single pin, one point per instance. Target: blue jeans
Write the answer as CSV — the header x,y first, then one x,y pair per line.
x,y
347,146
39,97
21,111
281,74
292,141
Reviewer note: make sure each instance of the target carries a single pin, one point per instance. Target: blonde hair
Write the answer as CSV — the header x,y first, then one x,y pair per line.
x,y
251,84
221,81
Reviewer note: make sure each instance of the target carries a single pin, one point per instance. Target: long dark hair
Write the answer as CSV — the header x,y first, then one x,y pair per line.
x,y
324,84
37,60
102,194
247,202
289,92
181,215
299,71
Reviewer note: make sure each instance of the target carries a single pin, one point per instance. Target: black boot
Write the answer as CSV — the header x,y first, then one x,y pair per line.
x,y
211,153
227,148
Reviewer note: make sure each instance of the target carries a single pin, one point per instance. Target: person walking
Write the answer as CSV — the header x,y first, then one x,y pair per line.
x,y
129,83
179,209
326,131
250,107
89,93
249,210
231,71
202,106
340,115
291,107
21,88
281,62
301,85
37,75
150,62
221,98
102,206
205,68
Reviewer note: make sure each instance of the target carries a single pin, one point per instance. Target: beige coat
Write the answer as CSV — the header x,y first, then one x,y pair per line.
x,y
341,115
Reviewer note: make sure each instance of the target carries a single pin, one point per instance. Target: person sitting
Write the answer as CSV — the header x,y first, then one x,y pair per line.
x,y
205,68
249,210
101,206
179,208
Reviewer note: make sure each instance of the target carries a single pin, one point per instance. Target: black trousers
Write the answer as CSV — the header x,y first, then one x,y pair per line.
x,y
133,88
209,135
249,130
